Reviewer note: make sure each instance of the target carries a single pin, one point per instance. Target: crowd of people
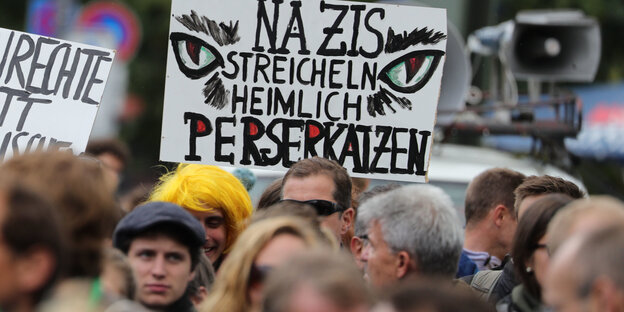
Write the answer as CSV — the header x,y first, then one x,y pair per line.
x,y
316,241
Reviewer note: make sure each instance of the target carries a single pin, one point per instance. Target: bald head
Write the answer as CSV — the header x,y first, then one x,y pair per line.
x,y
586,272
585,216
560,290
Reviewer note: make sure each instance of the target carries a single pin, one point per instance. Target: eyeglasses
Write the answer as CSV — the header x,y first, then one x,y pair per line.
x,y
323,207
259,273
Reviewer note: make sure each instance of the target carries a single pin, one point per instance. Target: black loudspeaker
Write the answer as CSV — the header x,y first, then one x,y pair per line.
x,y
554,45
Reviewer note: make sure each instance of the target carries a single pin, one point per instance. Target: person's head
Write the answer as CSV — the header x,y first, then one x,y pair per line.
x,y
358,240
264,245
31,247
135,197
411,230
586,273
359,185
323,180
214,196
199,287
246,177
114,156
534,187
431,295
489,205
529,251
77,189
271,195
117,278
582,216
289,208
316,281
163,244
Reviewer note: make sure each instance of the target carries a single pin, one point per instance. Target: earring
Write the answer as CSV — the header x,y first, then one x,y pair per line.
x,y
529,270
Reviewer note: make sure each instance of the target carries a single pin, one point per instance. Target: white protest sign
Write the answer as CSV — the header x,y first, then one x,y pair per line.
x,y
263,84
50,91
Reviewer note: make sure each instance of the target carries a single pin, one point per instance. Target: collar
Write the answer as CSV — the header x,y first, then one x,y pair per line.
x,y
184,304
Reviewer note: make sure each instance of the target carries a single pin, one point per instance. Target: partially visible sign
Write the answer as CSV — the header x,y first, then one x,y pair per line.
x,y
265,83
50,91
43,17
118,19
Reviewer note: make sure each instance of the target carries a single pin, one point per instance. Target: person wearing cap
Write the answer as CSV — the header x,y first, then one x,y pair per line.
x,y
213,196
163,243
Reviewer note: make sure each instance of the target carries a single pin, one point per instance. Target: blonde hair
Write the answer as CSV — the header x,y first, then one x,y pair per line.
x,y
205,188
333,276
299,210
230,289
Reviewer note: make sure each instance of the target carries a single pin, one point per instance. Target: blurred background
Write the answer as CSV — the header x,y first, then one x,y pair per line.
x,y
548,85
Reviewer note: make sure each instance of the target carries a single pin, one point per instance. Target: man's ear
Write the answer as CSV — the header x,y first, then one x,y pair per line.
x,y
192,276
199,297
356,246
500,214
605,295
34,269
405,264
347,219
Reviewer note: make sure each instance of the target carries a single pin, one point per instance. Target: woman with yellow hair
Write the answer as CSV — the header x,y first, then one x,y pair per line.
x,y
215,197
264,245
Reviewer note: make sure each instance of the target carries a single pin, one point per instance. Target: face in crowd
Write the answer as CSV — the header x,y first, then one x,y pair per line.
x,y
561,291
216,233
315,187
29,259
162,269
380,262
216,198
276,252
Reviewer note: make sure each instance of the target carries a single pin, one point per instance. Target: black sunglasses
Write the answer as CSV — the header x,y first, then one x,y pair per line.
x,y
323,207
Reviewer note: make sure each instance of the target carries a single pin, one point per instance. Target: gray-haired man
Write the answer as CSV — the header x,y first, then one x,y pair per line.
x,y
411,230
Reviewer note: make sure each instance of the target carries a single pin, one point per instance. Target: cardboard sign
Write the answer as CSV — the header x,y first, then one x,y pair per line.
x,y
263,84
50,91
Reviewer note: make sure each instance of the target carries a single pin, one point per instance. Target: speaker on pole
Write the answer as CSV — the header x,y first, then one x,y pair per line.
x,y
554,45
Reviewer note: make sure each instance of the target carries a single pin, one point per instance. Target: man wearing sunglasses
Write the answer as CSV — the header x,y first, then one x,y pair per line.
x,y
325,185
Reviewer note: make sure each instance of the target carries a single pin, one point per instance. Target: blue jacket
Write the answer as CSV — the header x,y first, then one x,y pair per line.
x,y
465,266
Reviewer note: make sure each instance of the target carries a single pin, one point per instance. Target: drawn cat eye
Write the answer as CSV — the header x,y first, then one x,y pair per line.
x,y
196,58
410,72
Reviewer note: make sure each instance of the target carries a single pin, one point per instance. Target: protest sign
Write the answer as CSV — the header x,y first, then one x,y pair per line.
x,y
50,91
263,84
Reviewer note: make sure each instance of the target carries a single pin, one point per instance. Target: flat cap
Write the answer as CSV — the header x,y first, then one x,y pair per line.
x,y
151,214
